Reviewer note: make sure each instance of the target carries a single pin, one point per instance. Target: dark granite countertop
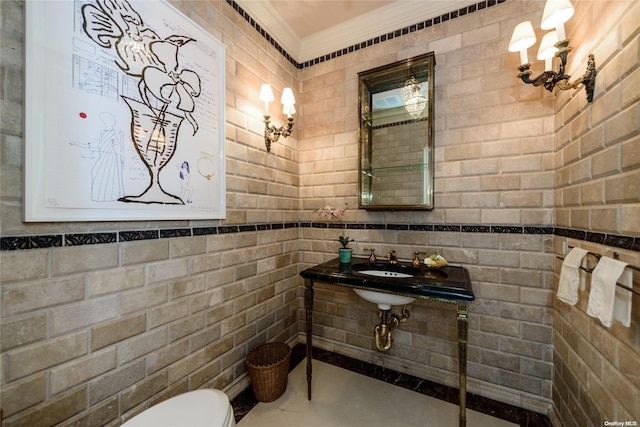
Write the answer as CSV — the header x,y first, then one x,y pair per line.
x,y
449,283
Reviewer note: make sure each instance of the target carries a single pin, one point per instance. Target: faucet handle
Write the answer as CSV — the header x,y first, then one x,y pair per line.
x,y
372,257
416,261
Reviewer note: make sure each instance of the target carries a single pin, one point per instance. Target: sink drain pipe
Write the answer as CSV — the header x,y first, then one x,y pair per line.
x,y
383,332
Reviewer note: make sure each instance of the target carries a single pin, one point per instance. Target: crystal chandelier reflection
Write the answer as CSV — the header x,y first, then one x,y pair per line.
x,y
414,100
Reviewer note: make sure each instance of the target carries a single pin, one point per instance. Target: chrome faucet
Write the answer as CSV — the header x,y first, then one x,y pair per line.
x,y
392,257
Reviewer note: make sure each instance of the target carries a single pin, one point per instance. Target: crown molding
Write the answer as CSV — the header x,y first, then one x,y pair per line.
x,y
379,21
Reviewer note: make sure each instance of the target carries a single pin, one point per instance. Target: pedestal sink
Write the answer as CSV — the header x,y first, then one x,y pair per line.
x,y
392,271
383,300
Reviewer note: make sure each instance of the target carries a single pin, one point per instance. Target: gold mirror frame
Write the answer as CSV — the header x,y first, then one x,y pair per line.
x,y
396,135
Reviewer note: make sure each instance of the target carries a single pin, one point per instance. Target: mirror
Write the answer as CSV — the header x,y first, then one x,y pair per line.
x,y
396,135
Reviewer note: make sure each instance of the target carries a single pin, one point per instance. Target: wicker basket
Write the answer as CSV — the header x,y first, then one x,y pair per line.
x,y
268,369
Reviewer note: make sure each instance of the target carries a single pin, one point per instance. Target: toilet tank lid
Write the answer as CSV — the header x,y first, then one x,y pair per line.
x,y
198,408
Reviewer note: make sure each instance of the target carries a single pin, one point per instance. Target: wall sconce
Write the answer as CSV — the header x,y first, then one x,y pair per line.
x,y
555,43
271,133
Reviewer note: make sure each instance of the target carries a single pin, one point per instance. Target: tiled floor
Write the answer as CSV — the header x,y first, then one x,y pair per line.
x,y
348,392
343,398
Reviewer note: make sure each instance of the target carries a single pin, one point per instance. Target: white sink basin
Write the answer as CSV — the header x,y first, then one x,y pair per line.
x,y
385,273
384,300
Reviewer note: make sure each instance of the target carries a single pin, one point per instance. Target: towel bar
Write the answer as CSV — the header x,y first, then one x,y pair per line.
x,y
598,256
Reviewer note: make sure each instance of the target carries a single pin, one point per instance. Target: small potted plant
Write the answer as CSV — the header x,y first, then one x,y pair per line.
x,y
336,214
344,252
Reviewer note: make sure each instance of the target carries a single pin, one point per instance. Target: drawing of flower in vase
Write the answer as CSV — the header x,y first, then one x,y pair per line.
x,y
166,91
155,135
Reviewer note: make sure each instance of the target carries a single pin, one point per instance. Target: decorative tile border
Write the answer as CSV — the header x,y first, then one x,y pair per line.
x,y
376,40
78,239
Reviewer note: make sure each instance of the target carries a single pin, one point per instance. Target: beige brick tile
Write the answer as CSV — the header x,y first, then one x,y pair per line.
x,y
117,330
36,357
168,313
166,356
503,326
622,125
139,299
629,85
115,381
115,280
592,193
204,337
631,154
166,270
82,314
76,259
606,106
179,370
81,370
25,297
53,412
630,219
23,330
142,344
20,395
500,216
144,390
145,251
23,265
185,327
623,188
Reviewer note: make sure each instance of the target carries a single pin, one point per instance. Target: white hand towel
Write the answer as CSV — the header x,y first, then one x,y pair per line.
x,y
603,289
570,276
622,303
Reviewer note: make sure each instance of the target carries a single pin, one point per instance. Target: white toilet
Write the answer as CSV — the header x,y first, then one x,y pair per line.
x,y
199,408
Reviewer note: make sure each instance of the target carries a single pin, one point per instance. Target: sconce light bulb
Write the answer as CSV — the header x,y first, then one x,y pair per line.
x,y
547,48
289,110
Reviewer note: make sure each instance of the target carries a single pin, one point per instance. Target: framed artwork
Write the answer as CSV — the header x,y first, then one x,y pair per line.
x,y
124,113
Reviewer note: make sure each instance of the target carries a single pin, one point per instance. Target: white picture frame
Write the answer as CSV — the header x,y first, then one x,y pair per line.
x,y
124,113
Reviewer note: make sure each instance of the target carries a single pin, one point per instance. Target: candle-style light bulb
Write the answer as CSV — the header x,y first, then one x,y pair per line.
x,y
548,49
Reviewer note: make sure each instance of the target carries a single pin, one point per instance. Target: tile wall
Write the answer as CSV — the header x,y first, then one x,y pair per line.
x,y
125,324
597,179
105,319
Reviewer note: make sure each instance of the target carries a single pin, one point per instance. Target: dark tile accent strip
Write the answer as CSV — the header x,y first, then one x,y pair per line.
x,y
506,229
376,40
127,236
89,238
30,242
246,400
397,227
538,230
476,229
623,242
10,243
420,227
376,226
175,232
440,227
228,229
595,237
356,226
203,231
